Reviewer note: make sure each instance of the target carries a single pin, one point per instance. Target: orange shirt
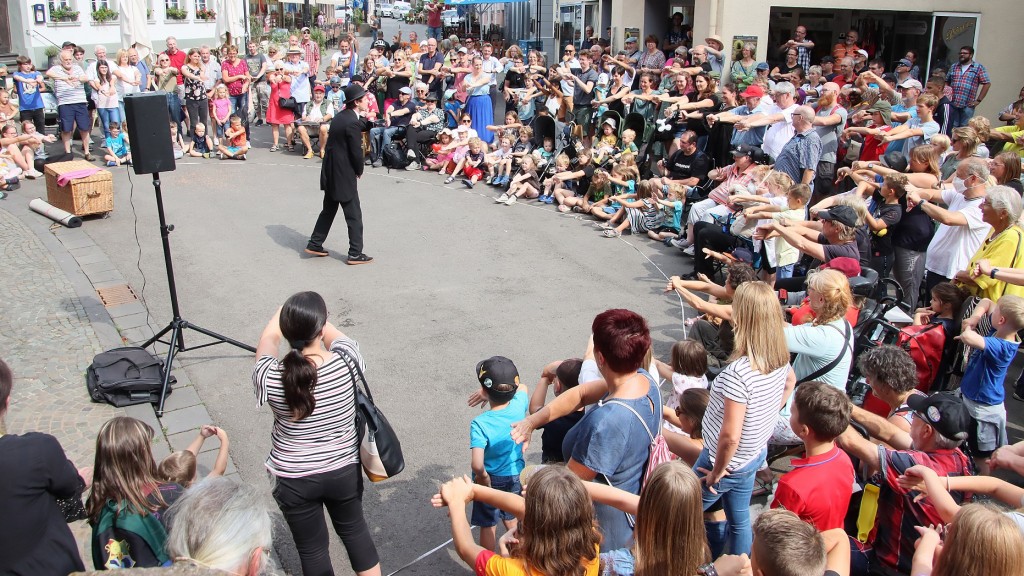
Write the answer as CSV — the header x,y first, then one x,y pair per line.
x,y
841,50
490,564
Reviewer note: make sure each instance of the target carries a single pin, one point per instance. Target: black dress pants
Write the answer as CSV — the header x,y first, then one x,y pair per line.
x,y
416,137
353,218
710,235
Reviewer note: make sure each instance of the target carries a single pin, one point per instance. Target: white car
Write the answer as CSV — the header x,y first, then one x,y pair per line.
x,y
385,10
451,18
400,10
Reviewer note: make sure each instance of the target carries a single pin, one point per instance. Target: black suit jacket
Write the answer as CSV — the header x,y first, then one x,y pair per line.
x,y
343,156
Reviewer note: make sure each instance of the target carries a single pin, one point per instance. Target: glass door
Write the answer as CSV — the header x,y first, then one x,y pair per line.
x,y
951,31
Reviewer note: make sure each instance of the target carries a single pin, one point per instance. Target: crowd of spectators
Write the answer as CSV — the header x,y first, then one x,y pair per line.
x,y
786,184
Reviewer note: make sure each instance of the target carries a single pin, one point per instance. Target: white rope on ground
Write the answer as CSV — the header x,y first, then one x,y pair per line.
x,y
426,554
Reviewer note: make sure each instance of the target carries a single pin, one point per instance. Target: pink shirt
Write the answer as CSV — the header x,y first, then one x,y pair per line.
x,y
222,108
240,69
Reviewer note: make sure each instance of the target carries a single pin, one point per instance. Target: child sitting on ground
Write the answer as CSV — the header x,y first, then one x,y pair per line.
x,y
672,215
564,374
819,486
221,105
638,215
177,142
237,145
599,189
117,146
572,183
441,159
180,467
982,384
201,145
473,165
18,152
526,183
561,168
498,163
522,147
497,460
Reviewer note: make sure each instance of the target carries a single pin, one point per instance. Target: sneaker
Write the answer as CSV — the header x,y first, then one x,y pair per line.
x,y
413,166
111,163
358,259
240,156
33,174
688,250
467,183
542,198
207,155
668,242
680,243
606,226
501,199
549,199
378,164
410,154
611,233
511,200
308,155
449,180
491,180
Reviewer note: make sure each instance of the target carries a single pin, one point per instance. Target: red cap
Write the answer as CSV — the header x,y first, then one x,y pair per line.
x,y
753,91
850,267
319,88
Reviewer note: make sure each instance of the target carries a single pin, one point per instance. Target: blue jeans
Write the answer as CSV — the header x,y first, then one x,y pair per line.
x,y
380,137
174,111
959,116
434,32
108,115
485,515
784,271
734,490
240,108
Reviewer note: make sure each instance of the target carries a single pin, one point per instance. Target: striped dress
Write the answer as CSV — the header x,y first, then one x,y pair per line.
x,y
762,395
326,439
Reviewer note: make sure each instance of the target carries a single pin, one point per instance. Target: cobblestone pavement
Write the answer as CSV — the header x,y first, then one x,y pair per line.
x,y
47,339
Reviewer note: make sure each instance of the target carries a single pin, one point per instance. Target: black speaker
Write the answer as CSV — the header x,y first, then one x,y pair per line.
x,y
149,132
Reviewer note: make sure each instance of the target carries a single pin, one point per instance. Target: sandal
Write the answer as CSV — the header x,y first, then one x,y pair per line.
x,y
611,233
762,487
449,180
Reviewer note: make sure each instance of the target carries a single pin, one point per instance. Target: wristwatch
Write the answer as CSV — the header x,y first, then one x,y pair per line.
x,y
992,274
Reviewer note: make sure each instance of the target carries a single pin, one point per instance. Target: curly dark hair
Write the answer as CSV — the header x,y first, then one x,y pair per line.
x,y
739,273
889,366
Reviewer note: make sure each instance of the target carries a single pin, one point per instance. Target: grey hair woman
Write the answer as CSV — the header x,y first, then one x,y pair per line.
x,y
1001,210
221,524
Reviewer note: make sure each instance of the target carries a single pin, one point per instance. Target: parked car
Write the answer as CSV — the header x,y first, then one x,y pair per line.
x,y
400,10
451,18
385,10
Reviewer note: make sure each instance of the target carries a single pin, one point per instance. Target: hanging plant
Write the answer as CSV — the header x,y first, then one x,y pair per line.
x,y
176,13
205,14
104,14
63,14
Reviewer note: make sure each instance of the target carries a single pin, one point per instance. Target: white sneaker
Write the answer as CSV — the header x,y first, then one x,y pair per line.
x,y
680,243
688,250
501,199
511,200
413,166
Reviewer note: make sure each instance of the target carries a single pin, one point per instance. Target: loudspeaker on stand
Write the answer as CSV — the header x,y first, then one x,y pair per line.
x,y
149,132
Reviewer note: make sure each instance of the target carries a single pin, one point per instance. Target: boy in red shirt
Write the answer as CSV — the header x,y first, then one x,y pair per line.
x,y
818,488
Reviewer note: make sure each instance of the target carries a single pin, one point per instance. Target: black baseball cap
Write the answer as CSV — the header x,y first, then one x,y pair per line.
x,y
842,214
944,412
498,370
755,152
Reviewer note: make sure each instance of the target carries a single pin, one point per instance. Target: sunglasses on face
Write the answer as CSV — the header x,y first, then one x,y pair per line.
x,y
467,121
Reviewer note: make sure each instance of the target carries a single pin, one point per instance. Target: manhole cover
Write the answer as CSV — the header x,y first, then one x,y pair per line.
x,y
116,295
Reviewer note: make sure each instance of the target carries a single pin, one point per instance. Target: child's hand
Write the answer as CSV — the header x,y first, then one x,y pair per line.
x,y
457,491
914,479
508,542
207,430
930,535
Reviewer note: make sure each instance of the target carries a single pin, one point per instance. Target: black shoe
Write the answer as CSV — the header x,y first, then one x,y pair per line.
x,y
316,250
358,259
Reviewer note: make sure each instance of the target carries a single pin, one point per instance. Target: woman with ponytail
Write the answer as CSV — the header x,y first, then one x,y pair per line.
x,y
315,447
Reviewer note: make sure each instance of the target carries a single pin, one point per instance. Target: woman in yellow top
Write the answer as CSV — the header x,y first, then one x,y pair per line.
x,y
1004,247
557,533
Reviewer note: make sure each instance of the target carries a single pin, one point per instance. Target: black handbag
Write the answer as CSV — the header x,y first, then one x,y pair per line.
x,y
380,451
125,377
288,103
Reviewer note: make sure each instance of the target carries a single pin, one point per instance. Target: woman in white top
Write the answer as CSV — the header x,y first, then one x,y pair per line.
x,y
742,409
315,445
128,79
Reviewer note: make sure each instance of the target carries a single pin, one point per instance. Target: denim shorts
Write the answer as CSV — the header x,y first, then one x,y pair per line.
x,y
71,116
485,515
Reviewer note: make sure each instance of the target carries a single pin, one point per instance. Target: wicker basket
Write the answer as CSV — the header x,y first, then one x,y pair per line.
x,y
83,196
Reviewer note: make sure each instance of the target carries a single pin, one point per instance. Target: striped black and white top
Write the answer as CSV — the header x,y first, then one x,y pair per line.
x,y
762,395
326,439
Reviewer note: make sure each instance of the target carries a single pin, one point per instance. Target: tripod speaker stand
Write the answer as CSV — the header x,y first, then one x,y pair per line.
x,y
150,140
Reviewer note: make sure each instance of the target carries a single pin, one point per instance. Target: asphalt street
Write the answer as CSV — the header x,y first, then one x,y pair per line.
x,y
456,279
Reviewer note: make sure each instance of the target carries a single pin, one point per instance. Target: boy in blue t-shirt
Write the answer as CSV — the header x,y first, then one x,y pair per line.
x,y
496,458
982,384
452,108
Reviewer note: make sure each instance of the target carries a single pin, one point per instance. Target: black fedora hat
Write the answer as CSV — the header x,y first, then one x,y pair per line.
x,y
354,92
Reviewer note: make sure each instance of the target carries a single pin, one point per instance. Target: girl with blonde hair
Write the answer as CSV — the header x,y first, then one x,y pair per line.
x,y
981,540
743,408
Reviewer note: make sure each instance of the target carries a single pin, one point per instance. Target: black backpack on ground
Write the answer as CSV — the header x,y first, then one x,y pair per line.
x,y
125,377
394,156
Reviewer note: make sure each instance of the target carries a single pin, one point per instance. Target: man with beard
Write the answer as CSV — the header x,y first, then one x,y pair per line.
x,y
965,77
339,176
829,121
345,61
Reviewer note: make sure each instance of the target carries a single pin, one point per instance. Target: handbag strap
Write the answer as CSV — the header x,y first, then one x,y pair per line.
x,y
355,371
835,361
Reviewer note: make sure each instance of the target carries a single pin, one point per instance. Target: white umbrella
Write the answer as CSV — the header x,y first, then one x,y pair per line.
x,y
229,22
135,27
